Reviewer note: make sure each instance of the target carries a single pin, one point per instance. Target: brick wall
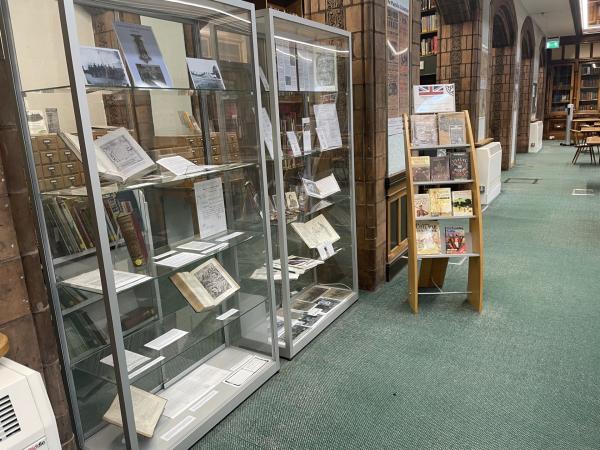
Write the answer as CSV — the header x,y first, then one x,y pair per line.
x,y
459,62
524,118
501,99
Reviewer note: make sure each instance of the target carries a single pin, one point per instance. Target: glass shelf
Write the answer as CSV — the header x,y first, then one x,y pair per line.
x,y
156,271
202,326
153,181
66,89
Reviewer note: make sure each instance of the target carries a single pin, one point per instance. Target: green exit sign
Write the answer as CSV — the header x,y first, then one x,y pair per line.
x,y
552,43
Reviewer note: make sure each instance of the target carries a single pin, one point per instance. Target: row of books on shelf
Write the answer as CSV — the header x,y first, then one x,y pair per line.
x,y
438,129
71,227
453,166
429,46
429,23
443,202
589,82
427,5
429,239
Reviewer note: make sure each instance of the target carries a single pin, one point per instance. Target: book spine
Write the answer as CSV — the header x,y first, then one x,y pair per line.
x,y
133,239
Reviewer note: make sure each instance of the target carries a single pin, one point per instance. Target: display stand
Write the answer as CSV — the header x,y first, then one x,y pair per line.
x,y
427,272
307,84
148,252
3,345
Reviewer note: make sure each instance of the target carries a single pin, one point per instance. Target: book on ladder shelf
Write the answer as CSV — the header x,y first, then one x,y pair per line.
x,y
444,216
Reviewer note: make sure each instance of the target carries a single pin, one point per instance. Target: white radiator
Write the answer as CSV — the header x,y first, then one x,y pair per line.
x,y
489,166
536,131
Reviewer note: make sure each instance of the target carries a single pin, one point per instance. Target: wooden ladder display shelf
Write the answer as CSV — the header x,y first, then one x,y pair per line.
x,y
433,267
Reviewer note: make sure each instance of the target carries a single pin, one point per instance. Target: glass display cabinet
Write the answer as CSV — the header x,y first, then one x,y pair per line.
x,y
307,125
140,120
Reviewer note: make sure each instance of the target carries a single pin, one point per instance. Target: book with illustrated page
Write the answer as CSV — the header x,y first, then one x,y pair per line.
x,y
456,243
428,238
321,188
422,205
462,203
460,166
424,130
452,128
206,286
316,232
118,156
147,409
440,202
420,167
439,168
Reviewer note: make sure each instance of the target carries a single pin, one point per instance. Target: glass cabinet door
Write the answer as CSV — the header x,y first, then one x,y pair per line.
x,y
147,164
307,98
589,78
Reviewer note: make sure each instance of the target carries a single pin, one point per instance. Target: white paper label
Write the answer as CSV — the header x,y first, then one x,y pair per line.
x,y
293,141
166,339
227,314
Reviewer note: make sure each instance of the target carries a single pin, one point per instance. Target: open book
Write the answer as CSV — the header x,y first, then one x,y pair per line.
x,y
118,156
147,409
206,286
321,188
316,232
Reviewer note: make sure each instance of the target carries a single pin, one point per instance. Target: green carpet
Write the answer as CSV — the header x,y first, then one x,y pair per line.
x,y
525,374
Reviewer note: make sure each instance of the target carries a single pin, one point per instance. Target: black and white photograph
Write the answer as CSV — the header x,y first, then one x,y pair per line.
x,y
215,279
205,74
151,75
291,200
142,55
308,320
326,304
103,67
297,330
310,187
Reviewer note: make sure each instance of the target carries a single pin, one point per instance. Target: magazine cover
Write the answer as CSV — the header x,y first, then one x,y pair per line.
x,y
462,203
428,238
422,206
456,243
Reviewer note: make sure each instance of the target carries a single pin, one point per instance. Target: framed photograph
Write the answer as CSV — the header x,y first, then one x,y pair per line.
x,y
143,56
205,74
103,67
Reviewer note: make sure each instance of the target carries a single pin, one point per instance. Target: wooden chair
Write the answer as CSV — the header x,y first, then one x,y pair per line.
x,y
582,146
3,345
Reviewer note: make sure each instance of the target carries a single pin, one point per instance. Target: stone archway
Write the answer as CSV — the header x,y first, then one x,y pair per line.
x,y
525,85
502,61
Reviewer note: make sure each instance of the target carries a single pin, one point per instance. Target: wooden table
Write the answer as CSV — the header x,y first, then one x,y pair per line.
x,y
3,345
593,140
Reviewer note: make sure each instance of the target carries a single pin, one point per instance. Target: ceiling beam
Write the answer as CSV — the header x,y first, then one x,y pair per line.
x,y
576,13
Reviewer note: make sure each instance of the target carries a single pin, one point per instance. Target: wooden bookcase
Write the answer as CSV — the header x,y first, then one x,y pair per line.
x,y
588,87
429,271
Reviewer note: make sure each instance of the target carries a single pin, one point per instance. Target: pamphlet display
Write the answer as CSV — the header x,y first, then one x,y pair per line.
x,y
442,186
153,194
311,186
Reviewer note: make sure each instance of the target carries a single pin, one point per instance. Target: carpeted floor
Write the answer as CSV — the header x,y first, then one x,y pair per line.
x,y
525,374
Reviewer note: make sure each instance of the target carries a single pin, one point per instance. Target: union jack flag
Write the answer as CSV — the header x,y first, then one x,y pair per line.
x,y
429,90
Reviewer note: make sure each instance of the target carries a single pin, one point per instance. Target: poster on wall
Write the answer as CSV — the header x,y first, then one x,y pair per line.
x,y
398,81
317,68
143,56
433,98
